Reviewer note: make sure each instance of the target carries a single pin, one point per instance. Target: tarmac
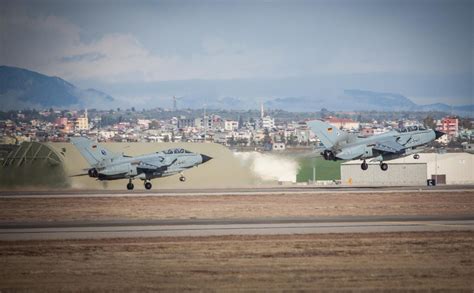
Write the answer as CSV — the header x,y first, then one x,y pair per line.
x,y
220,227
13,231
231,191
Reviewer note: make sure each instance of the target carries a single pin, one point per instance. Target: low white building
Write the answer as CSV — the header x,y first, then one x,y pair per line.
x,y
231,125
343,123
106,134
447,168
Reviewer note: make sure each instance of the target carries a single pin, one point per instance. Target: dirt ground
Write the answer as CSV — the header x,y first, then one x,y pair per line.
x,y
237,206
426,261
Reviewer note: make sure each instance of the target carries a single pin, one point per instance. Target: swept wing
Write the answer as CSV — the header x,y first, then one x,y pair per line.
x,y
388,146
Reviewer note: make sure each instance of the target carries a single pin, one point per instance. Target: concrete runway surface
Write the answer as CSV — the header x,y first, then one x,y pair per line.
x,y
232,191
213,227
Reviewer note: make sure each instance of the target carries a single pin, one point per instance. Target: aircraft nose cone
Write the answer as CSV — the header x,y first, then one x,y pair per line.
x,y
205,158
439,134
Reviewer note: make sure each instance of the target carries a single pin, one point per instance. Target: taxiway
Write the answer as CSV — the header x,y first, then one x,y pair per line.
x,y
213,227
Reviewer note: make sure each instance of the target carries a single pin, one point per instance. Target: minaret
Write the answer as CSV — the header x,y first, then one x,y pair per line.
x,y
261,110
86,120
174,104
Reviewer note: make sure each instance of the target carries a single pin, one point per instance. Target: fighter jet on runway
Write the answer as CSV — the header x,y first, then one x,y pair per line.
x,y
340,145
106,165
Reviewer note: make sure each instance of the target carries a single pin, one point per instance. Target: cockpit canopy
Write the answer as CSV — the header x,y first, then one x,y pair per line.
x,y
176,151
411,128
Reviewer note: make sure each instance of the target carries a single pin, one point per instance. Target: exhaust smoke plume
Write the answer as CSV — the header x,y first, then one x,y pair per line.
x,y
270,166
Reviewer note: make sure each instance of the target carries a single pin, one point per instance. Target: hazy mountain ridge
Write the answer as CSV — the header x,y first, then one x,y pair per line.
x,y
361,100
22,88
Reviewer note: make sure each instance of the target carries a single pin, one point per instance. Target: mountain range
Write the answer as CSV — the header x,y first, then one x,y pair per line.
x,y
22,88
360,100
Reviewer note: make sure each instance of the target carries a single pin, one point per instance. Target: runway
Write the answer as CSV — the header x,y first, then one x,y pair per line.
x,y
191,227
309,189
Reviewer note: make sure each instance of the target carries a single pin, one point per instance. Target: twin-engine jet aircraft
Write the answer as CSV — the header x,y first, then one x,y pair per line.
x,y
106,165
340,145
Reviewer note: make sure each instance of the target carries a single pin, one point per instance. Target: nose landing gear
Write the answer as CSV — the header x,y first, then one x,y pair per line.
x,y
416,156
383,166
182,178
364,166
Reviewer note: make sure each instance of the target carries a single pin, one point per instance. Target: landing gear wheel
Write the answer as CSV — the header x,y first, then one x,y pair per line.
x,y
130,186
364,166
383,166
148,185
416,156
182,178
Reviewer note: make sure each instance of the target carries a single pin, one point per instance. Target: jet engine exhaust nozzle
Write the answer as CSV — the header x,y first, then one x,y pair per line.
x,y
328,155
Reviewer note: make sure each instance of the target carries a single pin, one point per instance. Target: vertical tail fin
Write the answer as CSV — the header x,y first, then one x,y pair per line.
x,y
92,151
327,133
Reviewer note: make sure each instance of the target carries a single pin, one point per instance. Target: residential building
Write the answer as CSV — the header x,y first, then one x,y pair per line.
x,y
343,123
268,122
448,125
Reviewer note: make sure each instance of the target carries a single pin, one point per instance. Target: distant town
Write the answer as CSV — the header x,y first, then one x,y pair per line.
x,y
257,130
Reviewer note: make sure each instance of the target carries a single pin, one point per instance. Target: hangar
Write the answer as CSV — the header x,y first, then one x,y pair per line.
x,y
446,168
32,164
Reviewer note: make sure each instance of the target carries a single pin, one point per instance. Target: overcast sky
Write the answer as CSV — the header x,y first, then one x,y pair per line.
x,y
117,43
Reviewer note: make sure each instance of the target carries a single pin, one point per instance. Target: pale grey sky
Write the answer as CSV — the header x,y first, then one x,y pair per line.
x,y
422,49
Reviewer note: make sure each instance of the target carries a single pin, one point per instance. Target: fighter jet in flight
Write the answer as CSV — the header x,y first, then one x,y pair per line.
x,y
107,165
340,145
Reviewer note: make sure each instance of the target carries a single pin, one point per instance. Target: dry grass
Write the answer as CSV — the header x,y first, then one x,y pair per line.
x,y
237,206
407,261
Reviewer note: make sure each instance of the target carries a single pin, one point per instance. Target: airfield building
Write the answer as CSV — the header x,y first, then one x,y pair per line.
x,y
447,168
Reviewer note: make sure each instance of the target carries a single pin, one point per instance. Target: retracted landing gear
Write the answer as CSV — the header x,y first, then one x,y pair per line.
x,y
148,185
364,166
416,156
383,166
130,185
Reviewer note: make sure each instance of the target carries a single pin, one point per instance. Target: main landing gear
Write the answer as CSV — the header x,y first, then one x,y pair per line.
x,y
364,166
148,185
130,184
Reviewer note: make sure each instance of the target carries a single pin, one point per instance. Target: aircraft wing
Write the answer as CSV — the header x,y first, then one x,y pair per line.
x,y
388,146
152,167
